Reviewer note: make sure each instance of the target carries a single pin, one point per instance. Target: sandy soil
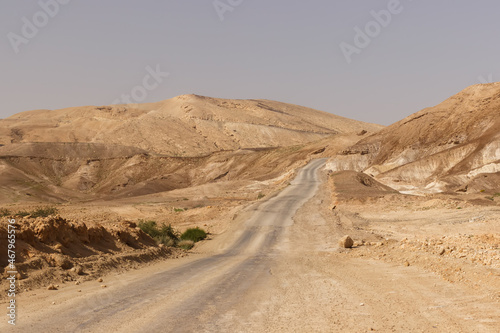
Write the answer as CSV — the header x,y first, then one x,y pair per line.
x,y
279,269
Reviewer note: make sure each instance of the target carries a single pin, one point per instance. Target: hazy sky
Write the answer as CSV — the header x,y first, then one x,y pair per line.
x,y
91,52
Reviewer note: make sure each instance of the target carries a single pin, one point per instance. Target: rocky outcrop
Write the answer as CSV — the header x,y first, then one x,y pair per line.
x,y
435,150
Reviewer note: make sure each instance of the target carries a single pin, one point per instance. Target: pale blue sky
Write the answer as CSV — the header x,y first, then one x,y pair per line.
x,y
93,51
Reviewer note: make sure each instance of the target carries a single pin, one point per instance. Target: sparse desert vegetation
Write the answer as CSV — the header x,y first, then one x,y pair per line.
x,y
34,212
168,236
4,212
186,244
194,234
165,234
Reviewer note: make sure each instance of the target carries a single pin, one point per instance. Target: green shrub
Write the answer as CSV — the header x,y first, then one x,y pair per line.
x,y
178,209
165,234
261,195
38,212
22,213
149,227
169,231
165,240
44,211
186,244
4,212
194,234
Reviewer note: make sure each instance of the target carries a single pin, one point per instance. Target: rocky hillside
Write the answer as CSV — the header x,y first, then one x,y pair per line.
x,y
452,146
130,150
187,125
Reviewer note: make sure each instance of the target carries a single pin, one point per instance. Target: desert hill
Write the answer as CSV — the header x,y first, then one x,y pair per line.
x,y
111,152
453,145
187,125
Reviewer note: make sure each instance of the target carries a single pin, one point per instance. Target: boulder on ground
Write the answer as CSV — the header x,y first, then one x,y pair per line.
x,y
346,242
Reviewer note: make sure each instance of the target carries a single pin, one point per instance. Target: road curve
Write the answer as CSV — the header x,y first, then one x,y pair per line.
x,y
200,295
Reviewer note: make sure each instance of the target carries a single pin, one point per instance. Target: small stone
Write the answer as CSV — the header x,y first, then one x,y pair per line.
x,y
406,264
51,287
99,280
53,303
79,290
346,242
62,261
77,269
442,251
361,304
77,283
103,286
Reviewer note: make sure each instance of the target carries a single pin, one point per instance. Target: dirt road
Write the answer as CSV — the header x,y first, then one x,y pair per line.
x,y
278,269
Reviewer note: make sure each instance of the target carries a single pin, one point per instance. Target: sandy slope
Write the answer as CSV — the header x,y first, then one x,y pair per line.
x,y
60,172
187,125
445,147
93,153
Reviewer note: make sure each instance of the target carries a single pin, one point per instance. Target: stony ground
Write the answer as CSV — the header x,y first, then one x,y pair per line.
x,y
417,264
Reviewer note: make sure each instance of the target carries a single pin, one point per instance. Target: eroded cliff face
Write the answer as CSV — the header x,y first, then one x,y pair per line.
x,y
442,148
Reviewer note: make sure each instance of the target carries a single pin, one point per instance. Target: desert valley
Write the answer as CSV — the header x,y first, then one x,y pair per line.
x,y
102,197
